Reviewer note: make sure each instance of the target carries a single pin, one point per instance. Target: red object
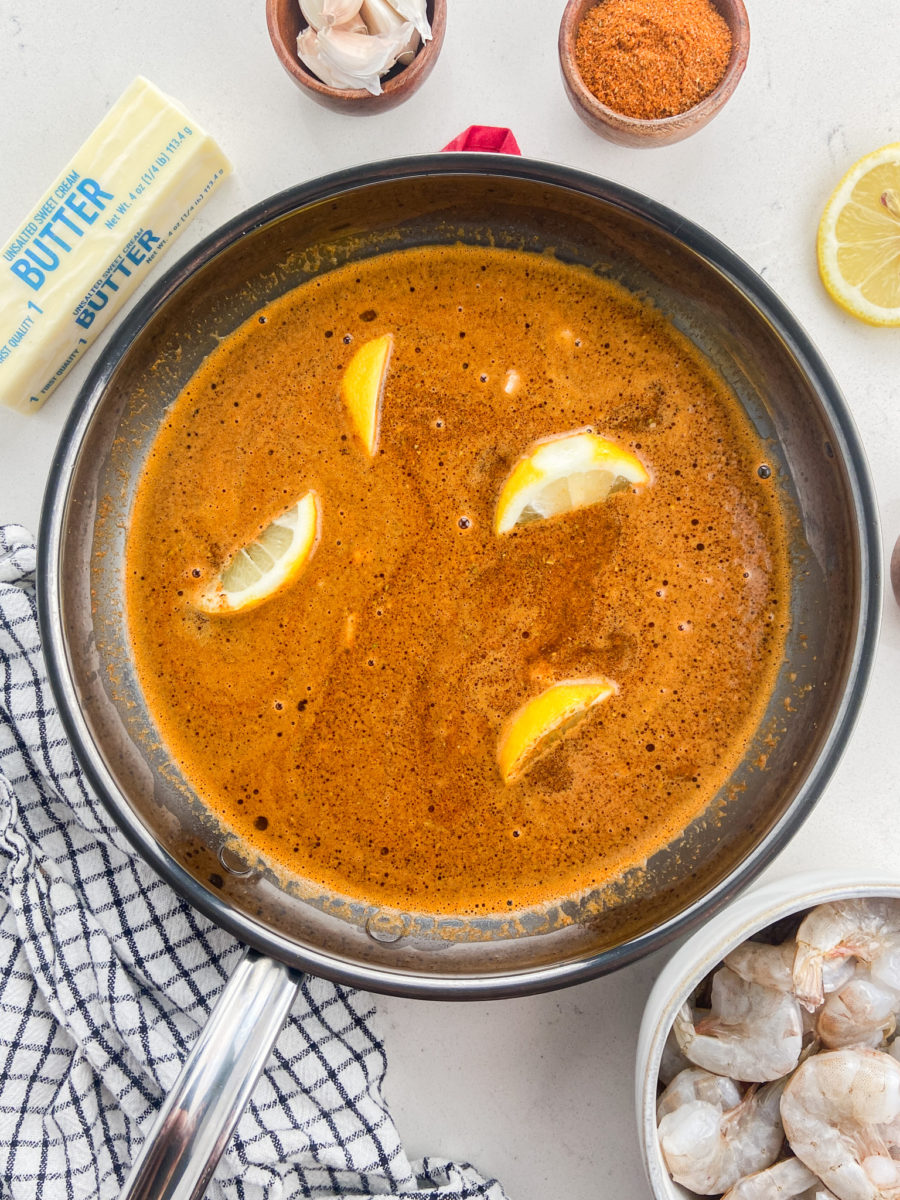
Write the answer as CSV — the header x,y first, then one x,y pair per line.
x,y
490,138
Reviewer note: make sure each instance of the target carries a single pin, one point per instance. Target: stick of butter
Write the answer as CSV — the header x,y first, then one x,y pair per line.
x,y
125,196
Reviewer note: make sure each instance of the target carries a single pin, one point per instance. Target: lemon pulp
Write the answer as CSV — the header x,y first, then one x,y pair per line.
x,y
264,566
859,239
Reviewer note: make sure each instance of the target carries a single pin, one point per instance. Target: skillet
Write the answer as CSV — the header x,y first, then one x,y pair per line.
x,y
811,444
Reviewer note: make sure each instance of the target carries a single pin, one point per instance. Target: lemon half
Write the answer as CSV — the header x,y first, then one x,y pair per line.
x,y
563,474
541,721
263,567
859,239
362,388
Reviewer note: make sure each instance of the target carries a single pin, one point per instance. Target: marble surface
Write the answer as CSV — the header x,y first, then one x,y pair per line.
x,y
536,1091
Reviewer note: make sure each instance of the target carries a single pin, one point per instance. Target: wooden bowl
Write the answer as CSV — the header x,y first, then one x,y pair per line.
x,y
285,22
632,131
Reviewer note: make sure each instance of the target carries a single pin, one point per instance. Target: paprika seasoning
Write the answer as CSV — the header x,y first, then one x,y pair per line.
x,y
652,58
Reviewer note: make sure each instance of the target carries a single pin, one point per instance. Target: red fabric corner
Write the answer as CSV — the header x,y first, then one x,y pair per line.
x,y
490,138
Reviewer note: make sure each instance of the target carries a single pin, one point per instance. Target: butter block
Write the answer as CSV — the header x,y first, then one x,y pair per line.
x,y
95,234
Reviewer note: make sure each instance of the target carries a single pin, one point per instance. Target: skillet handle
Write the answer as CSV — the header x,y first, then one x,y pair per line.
x,y
180,1153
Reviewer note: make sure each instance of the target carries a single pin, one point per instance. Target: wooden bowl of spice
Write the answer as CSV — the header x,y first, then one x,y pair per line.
x,y
646,73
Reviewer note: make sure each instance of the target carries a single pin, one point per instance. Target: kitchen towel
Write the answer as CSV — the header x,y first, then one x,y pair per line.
x,y
106,978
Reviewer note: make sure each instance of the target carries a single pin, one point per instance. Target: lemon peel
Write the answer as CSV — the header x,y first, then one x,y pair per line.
x,y
362,388
546,718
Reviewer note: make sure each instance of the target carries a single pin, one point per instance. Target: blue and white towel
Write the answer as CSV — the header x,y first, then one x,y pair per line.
x,y
107,977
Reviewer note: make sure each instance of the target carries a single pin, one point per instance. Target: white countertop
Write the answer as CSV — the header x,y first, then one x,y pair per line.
x,y
537,1092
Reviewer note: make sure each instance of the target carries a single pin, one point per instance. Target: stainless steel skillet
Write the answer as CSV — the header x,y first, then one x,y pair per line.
x,y
811,444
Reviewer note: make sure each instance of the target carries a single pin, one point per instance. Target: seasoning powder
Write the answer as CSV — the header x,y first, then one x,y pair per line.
x,y
652,58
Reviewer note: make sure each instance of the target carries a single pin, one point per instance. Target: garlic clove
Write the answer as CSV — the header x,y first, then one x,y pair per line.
x,y
409,51
355,25
380,17
365,57
322,14
312,13
309,53
414,10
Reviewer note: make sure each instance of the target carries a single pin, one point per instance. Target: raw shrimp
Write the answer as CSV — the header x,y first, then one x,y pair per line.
x,y
886,967
697,1084
866,929
708,1150
783,1181
752,1033
772,966
760,962
841,1114
862,1013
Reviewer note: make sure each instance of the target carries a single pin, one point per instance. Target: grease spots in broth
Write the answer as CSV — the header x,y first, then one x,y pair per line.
x,y
366,762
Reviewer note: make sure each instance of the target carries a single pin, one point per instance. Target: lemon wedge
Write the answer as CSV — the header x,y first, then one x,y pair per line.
x,y
362,388
565,473
268,564
541,721
859,239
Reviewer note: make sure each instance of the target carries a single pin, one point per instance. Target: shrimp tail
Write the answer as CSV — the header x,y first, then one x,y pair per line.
x,y
861,929
809,988
779,1182
683,1027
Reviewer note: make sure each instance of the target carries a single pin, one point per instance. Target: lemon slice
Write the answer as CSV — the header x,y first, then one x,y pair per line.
x,y
563,474
266,565
542,721
859,239
362,388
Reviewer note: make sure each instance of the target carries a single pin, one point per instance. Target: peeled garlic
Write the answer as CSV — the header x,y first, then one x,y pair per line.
x,y
382,17
321,14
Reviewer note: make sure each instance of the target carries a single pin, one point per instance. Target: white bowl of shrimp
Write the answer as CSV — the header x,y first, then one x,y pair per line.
x,y
767,1066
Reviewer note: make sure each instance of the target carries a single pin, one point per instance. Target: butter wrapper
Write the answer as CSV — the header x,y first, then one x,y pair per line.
x,y
95,234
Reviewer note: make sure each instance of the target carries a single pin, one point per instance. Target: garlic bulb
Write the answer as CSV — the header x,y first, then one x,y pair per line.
x,y
344,59
322,14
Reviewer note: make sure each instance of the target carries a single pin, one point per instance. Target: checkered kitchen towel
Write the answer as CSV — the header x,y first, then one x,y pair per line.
x,y
106,978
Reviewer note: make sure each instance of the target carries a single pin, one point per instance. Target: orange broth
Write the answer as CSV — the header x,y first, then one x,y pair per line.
x,y
346,729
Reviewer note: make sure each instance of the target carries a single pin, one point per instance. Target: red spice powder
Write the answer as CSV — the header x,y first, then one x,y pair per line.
x,y
652,58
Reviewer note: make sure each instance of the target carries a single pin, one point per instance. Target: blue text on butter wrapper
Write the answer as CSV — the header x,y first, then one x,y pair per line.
x,y
84,206
139,249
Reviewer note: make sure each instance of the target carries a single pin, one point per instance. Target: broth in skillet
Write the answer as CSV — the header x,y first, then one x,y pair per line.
x,y
348,727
